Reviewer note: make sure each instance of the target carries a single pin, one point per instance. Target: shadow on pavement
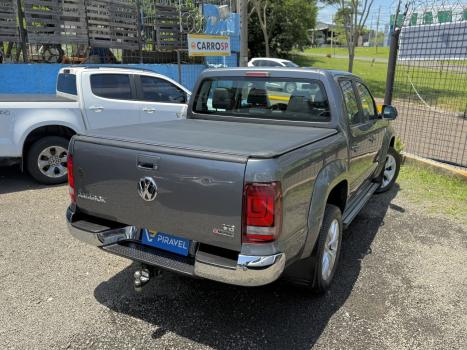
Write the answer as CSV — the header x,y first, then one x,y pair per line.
x,y
13,180
222,316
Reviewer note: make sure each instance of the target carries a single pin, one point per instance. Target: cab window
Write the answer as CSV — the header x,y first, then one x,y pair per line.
x,y
159,90
351,104
368,104
115,86
263,98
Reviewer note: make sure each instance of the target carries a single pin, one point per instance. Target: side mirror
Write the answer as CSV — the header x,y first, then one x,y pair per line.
x,y
389,112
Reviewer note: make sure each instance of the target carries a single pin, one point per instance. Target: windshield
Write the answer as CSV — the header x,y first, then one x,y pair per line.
x,y
264,98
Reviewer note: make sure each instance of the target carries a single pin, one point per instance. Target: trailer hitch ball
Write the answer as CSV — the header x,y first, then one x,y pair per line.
x,y
142,277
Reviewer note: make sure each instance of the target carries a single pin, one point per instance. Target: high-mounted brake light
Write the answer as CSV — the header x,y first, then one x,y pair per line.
x,y
262,212
257,74
71,179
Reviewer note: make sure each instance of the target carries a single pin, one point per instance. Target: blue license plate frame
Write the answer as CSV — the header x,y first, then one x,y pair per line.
x,y
165,241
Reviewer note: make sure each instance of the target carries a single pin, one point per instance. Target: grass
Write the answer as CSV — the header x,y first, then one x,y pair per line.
x,y
448,92
383,52
374,74
436,193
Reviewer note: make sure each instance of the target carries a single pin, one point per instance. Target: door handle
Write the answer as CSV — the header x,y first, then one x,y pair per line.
x,y
149,110
355,148
96,108
147,162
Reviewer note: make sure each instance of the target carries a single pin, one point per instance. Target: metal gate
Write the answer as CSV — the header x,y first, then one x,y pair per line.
x,y
430,89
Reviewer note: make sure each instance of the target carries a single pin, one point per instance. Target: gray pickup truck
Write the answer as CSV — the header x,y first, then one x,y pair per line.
x,y
257,183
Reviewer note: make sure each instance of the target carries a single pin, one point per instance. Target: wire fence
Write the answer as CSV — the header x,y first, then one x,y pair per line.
x,y
430,89
112,31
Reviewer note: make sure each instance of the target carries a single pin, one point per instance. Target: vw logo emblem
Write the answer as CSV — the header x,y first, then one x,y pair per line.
x,y
147,188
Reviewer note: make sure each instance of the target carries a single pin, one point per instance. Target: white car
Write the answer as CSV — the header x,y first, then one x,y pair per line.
x,y
271,62
35,129
279,63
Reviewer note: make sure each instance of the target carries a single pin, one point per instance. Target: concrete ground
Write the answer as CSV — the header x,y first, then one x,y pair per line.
x,y
401,284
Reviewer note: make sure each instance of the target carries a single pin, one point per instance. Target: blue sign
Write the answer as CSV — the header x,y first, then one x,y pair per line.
x,y
165,241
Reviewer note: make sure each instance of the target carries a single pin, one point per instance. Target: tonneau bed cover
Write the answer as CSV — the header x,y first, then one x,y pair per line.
x,y
220,137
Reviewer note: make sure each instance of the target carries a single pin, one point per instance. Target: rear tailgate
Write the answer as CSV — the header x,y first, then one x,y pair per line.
x,y
195,196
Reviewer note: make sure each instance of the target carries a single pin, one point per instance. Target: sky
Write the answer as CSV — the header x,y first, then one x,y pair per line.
x,y
325,13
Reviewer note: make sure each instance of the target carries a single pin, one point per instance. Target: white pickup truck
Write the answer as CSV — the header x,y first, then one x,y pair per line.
x,y
35,129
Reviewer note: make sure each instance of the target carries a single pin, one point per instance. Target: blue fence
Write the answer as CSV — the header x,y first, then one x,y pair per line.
x,y
40,78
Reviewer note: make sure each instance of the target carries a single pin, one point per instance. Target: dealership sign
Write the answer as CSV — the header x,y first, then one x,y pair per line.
x,y
208,45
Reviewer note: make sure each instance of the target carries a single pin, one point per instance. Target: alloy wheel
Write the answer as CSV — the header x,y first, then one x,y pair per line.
x,y
52,161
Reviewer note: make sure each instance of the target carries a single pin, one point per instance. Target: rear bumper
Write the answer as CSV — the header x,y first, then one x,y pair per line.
x,y
246,271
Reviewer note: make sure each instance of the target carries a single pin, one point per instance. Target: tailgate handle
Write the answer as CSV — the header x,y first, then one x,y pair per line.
x,y
147,162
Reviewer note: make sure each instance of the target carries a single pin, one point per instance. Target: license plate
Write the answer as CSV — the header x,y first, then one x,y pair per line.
x,y
165,241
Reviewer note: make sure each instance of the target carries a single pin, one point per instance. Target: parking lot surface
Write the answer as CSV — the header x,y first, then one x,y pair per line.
x,y
401,284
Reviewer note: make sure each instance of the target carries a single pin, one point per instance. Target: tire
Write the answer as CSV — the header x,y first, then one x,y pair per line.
x,y
322,276
390,171
290,87
46,160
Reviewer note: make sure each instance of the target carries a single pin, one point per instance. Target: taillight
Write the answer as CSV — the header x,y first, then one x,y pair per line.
x,y
262,212
71,179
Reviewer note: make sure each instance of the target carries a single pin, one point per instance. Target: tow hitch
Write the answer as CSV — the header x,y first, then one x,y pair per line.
x,y
143,275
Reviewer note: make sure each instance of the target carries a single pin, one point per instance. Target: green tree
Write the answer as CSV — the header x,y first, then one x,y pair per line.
x,y
277,26
352,14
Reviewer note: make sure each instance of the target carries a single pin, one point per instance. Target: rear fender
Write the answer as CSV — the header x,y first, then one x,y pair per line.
x,y
332,174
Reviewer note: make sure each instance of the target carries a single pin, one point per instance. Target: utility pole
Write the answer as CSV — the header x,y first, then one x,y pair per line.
x,y
243,6
377,29
392,60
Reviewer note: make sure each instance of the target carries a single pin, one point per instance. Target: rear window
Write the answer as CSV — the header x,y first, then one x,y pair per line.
x,y
66,83
264,98
115,86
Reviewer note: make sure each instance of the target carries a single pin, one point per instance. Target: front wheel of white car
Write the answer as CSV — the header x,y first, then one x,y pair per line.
x,y
46,160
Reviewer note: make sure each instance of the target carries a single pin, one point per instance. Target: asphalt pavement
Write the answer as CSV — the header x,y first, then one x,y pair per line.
x,y
401,284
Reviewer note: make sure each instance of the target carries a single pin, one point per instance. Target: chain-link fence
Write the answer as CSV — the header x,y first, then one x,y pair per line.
x,y
114,31
430,89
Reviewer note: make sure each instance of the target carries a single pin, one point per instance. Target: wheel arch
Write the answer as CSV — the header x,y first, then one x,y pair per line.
x,y
45,130
331,186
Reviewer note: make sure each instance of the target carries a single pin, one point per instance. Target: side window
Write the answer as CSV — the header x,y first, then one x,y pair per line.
x,y
368,104
66,83
115,86
350,100
274,64
159,90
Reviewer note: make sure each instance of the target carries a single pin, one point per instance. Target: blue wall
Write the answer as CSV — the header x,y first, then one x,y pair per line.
x,y
40,78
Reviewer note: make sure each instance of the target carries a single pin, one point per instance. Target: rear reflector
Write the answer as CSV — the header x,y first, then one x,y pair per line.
x,y
257,74
262,212
71,179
